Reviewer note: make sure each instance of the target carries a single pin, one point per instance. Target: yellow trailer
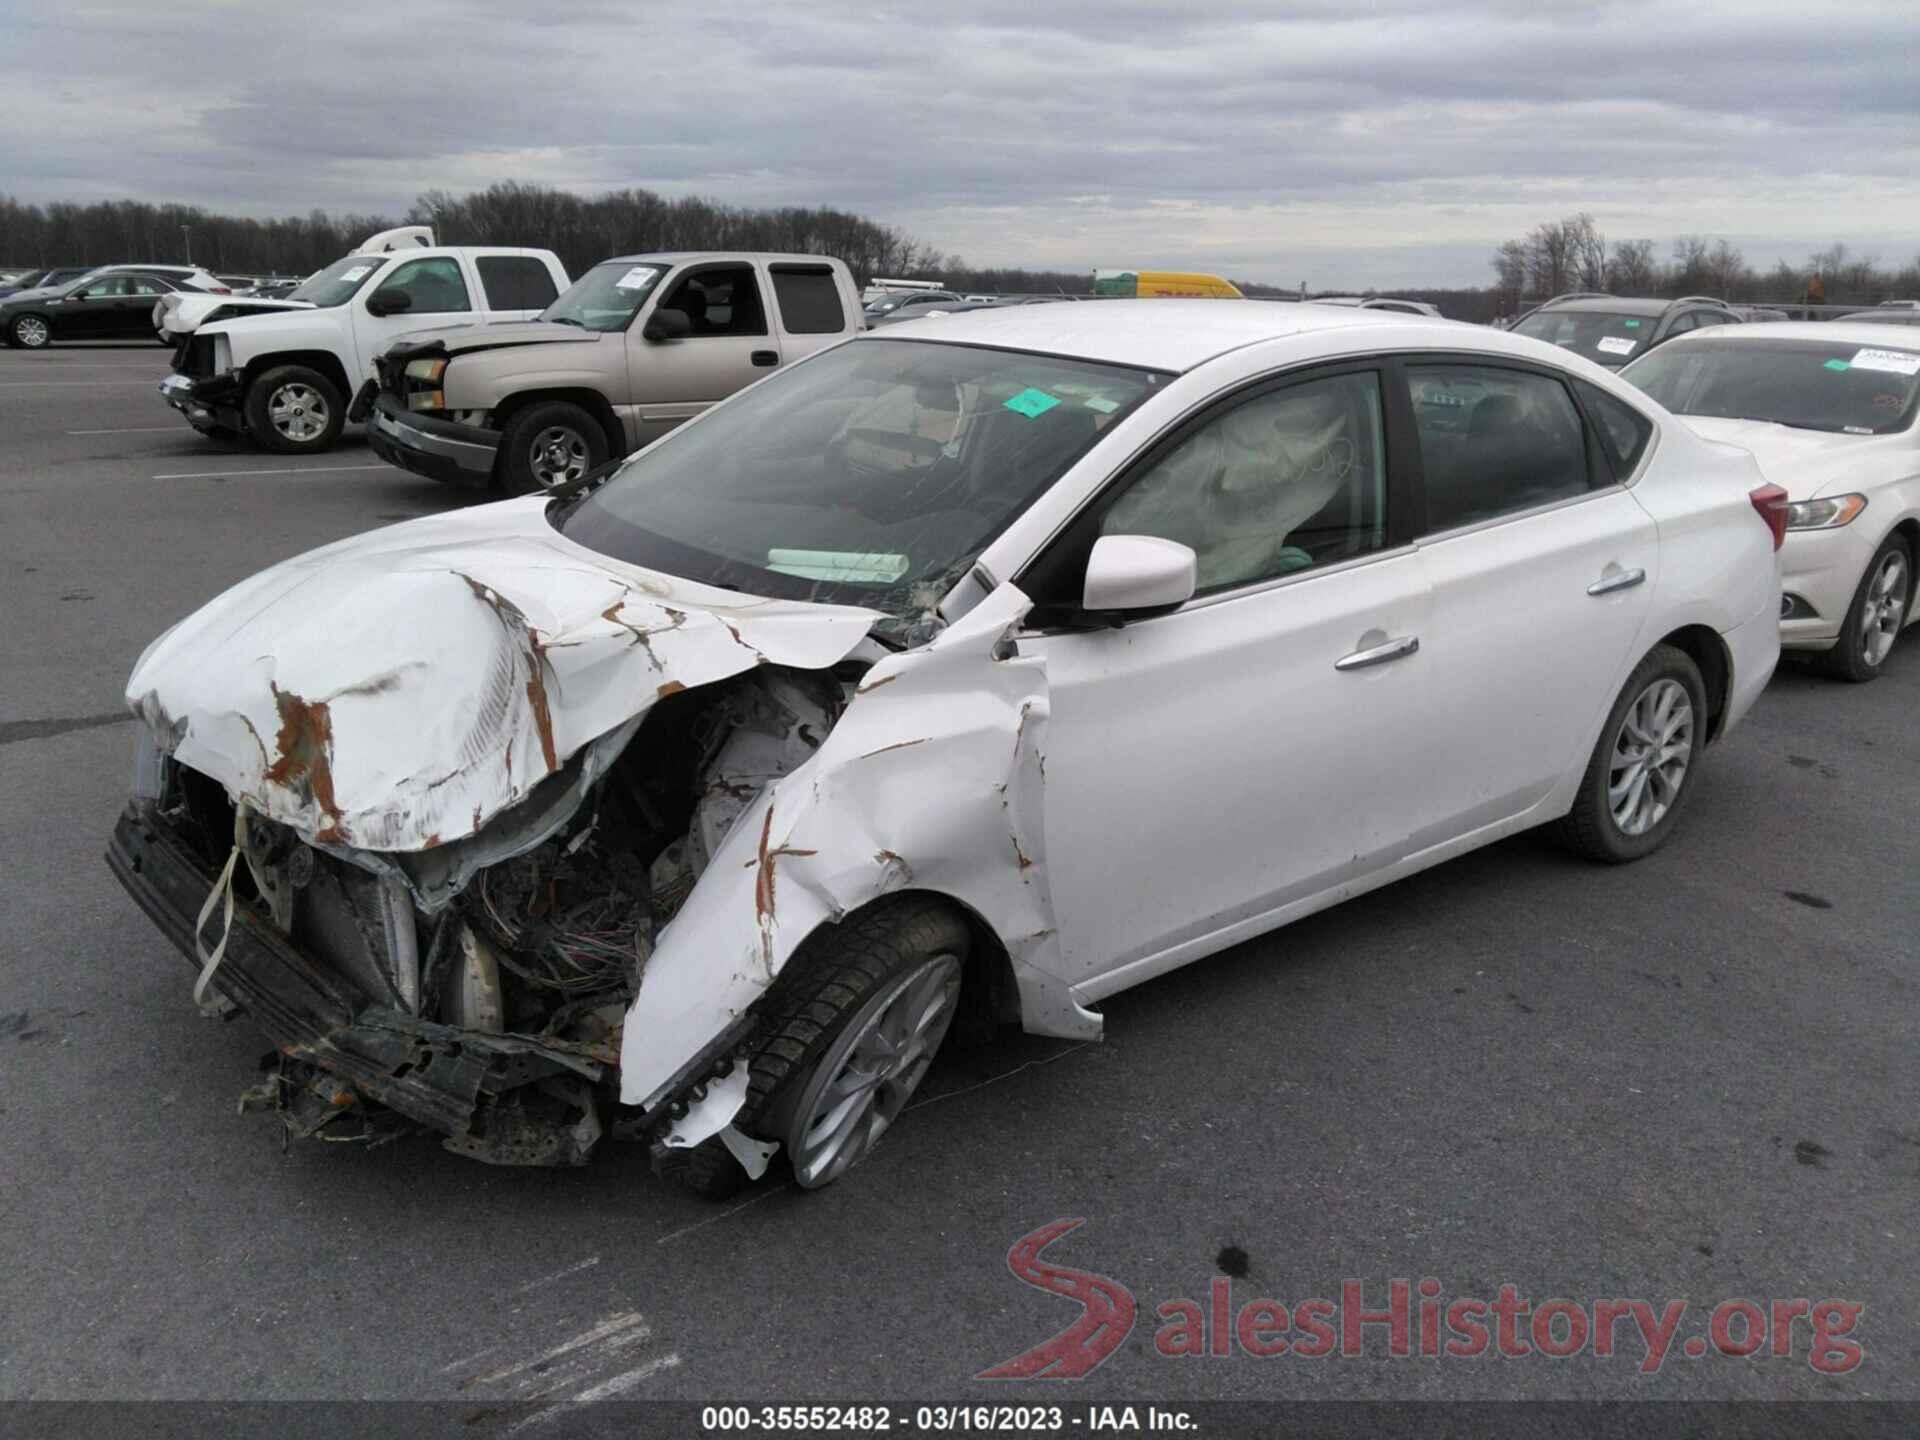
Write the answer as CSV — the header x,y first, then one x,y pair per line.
x,y
1159,284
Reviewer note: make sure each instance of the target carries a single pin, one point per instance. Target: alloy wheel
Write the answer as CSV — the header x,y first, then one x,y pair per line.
x,y
1884,608
31,331
299,412
866,1077
558,454
1650,757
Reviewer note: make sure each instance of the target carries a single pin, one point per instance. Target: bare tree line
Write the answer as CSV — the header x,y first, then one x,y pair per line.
x,y
1571,254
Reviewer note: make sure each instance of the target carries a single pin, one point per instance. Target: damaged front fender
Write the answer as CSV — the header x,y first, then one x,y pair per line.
x,y
932,780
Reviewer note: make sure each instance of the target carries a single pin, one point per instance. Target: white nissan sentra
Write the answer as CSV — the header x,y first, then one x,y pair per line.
x,y
1832,413
965,672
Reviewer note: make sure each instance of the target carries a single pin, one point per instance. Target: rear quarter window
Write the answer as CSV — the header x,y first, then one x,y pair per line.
x,y
516,282
1624,431
809,300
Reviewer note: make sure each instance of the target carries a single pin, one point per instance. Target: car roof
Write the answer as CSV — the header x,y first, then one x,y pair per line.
x,y
677,257
1172,335
1862,333
1609,306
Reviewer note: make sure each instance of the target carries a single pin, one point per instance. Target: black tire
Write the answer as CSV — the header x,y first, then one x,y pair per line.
x,y
1851,658
1591,828
824,987
267,389
22,333
549,425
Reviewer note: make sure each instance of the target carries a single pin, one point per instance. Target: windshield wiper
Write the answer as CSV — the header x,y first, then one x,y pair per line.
x,y
1789,424
566,320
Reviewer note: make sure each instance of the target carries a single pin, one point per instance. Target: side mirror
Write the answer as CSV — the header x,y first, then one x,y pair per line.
x,y
390,301
665,324
1130,577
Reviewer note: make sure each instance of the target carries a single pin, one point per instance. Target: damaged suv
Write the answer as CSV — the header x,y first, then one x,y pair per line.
x,y
933,682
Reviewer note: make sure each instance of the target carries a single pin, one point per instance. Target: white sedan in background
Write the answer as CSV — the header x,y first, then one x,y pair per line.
x,y
978,668
1829,411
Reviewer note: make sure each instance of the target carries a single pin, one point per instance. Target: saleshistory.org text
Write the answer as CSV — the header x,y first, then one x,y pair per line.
x,y
1407,1319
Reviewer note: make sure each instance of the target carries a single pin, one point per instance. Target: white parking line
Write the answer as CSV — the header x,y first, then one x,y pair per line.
x,y
294,470
67,384
131,430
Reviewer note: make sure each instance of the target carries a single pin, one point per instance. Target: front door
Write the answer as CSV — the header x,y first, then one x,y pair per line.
x,y
729,345
1254,749
435,284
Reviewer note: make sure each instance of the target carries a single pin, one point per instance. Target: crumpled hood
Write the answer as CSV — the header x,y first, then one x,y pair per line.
x,y
1801,462
397,690
518,332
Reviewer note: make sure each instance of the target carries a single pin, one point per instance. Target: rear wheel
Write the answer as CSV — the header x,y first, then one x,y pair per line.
x,y
1642,767
548,444
295,410
860,1013
1874,618
30,332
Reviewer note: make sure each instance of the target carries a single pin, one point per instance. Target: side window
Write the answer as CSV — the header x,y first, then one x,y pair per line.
x,y
1624,431
1284,481
515,282
720,300
436,285
142,285
1493,441
1682,324
809,300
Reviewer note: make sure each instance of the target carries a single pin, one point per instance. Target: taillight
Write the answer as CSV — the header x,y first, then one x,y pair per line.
x,y
1771,502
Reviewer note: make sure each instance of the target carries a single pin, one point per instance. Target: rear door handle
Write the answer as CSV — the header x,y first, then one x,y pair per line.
x,y
765,357
1619,580
1379,654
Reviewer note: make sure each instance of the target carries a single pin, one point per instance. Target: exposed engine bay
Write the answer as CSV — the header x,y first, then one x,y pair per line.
x,y
509,986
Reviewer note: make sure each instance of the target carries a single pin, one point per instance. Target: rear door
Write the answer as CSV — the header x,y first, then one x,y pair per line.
x,y
133,313
1540,564
812,307
730,344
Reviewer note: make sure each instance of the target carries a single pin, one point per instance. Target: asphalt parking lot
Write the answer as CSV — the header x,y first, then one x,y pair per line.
x,y
1692,1078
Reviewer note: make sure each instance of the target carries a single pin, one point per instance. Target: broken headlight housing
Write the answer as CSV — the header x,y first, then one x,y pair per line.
x,y
423,384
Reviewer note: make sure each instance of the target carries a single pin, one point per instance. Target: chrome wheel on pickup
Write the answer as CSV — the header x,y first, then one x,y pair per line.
x,y
294,410
556,455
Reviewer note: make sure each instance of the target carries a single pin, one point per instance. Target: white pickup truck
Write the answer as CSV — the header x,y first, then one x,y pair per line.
x,y
283,371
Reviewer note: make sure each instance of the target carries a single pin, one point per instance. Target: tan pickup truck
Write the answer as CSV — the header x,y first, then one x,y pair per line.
x,y
637,345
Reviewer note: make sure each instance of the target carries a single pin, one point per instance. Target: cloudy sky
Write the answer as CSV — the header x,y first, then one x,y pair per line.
x,y
1335,142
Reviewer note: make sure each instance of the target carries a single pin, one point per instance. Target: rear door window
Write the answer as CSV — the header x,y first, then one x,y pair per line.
x,y
1494,441
516,282
809,300
1624,431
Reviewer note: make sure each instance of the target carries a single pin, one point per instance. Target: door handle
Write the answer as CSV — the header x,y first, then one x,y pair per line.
x,y
765,357
1379,654
1619,580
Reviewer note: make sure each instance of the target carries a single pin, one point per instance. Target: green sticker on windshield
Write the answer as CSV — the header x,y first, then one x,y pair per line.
x,y
1837,365
1032,403
1633,324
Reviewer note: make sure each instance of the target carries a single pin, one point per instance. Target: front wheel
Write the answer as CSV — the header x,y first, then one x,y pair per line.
x,y
859,1015
1875,616
1642,766
295,410
549,444
30,332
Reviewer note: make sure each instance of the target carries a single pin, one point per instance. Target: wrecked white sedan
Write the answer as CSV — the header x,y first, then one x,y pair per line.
x,y
954,675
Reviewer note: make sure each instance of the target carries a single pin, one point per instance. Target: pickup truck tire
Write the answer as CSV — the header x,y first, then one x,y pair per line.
x,y
548,444
295,410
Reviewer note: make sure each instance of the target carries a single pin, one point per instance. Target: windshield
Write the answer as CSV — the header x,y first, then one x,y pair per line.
x,y
1609,339
874,474
1812,384
607,297
339,282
